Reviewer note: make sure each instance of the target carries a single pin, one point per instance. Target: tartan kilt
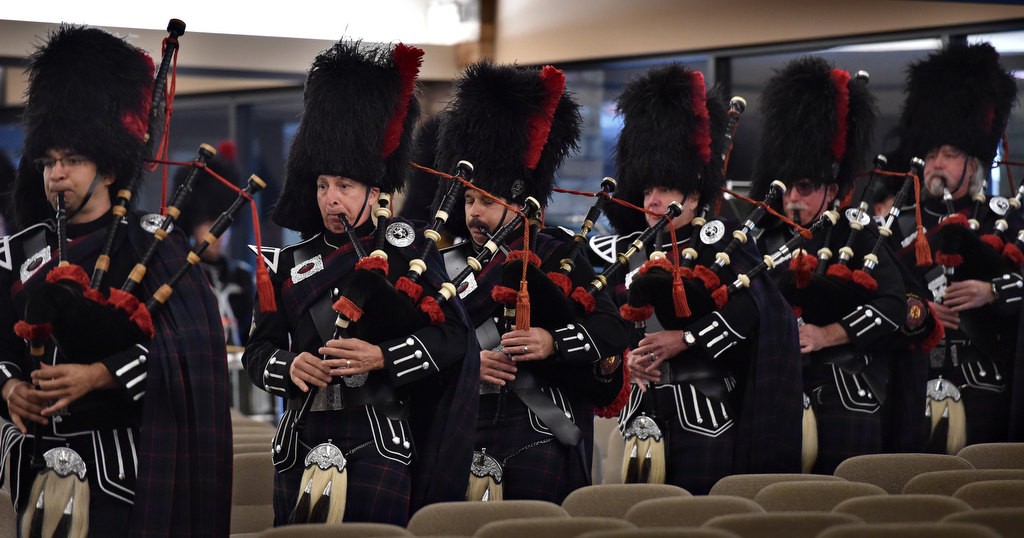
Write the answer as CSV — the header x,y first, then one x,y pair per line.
x,y
693,461
842,433
987,411
535,465
378,488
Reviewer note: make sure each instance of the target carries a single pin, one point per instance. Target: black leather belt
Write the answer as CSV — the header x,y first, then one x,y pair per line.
x,y
528,390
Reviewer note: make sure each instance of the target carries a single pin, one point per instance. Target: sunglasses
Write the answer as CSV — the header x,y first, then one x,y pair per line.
x,y
804,187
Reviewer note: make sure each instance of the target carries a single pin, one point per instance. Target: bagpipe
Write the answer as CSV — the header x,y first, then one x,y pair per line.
x,y
70,311
675,289
968,247
523,284
374,304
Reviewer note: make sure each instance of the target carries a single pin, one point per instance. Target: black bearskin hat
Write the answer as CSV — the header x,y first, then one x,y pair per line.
x,y
515,124
358,116
817,124
209,197
673,134
90,93
959,96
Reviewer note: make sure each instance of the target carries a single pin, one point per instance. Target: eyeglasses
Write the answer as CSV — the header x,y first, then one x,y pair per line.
x,y
44,164
804,187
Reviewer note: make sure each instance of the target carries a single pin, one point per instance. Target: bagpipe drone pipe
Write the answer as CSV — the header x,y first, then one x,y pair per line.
x,y
686,278
560,297
85,321
682,294
391,292
971,244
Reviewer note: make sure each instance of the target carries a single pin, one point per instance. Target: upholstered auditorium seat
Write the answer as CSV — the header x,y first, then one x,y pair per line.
x,y
614,500
463,518
994,455
780,524
947,482
892,471
535,527
747,485
688,511
812,496
906,508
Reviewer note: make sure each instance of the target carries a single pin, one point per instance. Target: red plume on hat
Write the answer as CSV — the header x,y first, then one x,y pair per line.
x,y
672,136
359,109
515,124
817,123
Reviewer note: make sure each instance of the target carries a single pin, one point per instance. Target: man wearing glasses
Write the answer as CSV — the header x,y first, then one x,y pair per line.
x,y
958,103
114,421
818,123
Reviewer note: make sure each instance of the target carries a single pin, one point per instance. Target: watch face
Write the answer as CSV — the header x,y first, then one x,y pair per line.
x,y
689,338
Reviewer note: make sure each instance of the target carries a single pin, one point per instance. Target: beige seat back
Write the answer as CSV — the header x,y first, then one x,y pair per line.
x,y
614,500
335,530
907,508
947,482
252,493
892,471
464,518
1005,521
994,455
747,485
992,494
812,496
549,527
661,532
909,530
688,511
780,524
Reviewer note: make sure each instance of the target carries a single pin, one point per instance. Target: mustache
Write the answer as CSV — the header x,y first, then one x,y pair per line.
x,y
796,206
477,224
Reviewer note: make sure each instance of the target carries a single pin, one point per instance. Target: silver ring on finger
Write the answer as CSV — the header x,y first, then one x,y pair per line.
x,y
526,349
348,363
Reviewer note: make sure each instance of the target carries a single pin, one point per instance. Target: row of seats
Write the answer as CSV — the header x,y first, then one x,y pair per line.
x,y
809,504
513,519
978,484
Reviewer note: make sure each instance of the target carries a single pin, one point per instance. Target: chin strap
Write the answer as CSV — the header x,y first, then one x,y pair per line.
x,y
85,199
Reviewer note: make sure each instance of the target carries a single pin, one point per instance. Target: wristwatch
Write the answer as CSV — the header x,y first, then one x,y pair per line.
x,y
689,339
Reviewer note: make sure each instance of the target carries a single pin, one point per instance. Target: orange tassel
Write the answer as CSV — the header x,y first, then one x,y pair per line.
x,y
264,289
922,251
523,308
679,297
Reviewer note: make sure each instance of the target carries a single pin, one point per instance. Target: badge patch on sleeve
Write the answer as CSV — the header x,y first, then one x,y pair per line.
x,y
916,310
